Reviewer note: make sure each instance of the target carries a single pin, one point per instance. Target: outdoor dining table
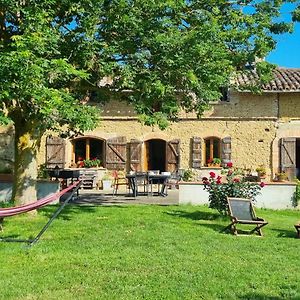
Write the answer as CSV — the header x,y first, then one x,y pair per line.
x,y
149,179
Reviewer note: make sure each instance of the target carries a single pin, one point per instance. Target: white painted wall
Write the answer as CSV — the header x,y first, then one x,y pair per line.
x,y
273,195
44,188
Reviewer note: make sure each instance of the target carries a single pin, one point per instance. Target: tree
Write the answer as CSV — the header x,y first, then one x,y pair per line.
x,y
168,56
36,87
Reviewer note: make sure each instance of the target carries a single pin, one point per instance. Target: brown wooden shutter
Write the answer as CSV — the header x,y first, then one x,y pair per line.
x,y
173,155
116,153
196,152
55,152
226,150
288,157
135,155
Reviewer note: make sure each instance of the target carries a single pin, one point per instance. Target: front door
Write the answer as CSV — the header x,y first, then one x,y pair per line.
x,y
155,151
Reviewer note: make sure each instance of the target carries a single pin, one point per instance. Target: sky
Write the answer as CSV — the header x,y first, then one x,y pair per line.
x,y
287,52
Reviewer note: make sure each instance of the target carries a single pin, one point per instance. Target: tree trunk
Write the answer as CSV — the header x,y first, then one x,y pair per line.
x,y
27,141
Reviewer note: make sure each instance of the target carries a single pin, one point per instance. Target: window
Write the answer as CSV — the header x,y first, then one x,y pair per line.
x,y
212,148
88,148
225,96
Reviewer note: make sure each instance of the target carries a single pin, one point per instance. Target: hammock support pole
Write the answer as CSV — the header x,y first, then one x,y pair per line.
x,y
56,213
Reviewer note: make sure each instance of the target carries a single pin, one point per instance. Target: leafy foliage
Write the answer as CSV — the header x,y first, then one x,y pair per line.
x,y
234,186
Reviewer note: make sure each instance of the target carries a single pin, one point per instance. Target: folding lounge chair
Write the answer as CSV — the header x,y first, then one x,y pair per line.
x,y
241,211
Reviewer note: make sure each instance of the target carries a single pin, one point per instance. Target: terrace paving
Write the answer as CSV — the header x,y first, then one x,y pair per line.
x,y
100,197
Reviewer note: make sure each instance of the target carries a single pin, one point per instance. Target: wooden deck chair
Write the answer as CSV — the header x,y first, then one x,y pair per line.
x,y
297,226
241,211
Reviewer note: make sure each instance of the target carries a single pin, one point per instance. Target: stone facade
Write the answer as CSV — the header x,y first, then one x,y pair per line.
x,y
255,124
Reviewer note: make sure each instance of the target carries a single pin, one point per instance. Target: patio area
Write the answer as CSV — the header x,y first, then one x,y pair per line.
x,y
100,197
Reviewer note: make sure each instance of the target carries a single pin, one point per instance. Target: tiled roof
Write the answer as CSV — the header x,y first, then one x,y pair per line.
x,y
285,80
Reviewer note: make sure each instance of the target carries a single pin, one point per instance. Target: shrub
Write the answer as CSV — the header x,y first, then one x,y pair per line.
x,y
235,185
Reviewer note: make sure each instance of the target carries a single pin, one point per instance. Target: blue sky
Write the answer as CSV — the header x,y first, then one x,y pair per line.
x,y
287,52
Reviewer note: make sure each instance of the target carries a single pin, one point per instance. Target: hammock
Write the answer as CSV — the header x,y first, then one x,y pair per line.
x,y
12,211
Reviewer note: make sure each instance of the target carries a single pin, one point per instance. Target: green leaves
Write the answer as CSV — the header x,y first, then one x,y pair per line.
x,y
172,55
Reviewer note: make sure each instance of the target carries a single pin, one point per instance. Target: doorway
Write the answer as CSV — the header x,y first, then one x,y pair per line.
x,y
155,155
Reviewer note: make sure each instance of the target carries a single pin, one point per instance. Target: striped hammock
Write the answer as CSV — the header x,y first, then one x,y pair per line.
x,y
12,211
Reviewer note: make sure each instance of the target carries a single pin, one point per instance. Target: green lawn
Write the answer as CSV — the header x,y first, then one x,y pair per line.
x,y
149,252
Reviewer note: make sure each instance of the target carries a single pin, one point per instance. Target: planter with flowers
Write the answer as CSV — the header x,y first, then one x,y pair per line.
x,y
107,181
214,162
231,184
281,177
261,172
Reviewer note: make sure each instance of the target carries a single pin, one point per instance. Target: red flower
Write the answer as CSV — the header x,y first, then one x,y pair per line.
x,y
206,182
218,181
229,164
262,184
212,174
204,178
219,177
236,180
210,160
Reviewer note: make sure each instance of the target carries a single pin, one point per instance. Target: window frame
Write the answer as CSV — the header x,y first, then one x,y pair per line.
x,y
211,140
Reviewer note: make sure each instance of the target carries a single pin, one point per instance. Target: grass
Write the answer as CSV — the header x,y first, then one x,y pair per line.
x,y
149,252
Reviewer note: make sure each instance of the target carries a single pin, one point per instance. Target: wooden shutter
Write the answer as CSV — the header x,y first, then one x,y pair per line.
x,y
55,152
226,150
288,157
173,155
135,155
196,152
116,153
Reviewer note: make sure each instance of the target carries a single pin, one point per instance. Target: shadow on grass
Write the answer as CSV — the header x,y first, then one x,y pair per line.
x,y
202,216
262,297
196,215
286,292
283,233
71,210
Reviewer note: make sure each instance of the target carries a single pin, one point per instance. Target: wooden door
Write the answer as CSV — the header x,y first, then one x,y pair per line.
x,y
135,155
173,155
288,156
115,158
196,152
55,152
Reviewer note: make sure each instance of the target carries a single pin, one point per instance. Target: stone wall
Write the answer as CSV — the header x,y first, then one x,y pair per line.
x,y
254,123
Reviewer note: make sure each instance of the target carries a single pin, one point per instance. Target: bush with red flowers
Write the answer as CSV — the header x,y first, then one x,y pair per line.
x,y
234,185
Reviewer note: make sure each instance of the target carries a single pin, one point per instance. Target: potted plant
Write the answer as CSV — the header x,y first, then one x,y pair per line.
x,y
107,181
92,163
281,176
261,171
188,175
214,162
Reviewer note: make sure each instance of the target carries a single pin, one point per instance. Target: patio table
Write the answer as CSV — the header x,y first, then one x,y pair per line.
x,y
149,180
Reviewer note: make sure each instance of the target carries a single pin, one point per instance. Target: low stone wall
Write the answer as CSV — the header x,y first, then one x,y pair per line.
x,y
273,195
44,188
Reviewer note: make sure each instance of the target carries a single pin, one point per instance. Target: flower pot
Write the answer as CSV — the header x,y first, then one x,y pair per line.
x,y
106,184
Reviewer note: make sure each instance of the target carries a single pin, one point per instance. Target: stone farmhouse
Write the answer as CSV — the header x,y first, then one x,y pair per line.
x,y
247,129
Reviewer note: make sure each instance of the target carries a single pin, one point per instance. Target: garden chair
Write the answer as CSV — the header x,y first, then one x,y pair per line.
x,y
119,180
241,211
297,226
